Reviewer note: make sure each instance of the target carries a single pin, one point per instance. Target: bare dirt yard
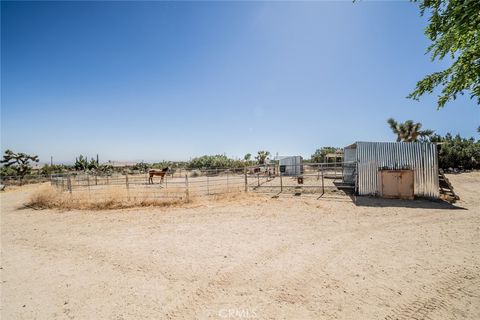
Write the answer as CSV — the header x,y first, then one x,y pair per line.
x,y
260,257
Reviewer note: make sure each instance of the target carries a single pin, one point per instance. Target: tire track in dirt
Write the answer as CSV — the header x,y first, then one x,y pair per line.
x,y
86,253
203,295
315,270
315,267
442,295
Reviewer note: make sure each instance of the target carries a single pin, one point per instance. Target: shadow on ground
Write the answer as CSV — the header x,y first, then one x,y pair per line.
x,y
417,203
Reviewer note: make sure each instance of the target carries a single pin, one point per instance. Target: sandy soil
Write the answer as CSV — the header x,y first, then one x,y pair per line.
x,y
286,258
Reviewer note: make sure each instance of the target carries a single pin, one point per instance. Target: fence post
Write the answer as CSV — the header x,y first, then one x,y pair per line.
x,y
281,183
227,181
208,185
323,186
126,179
246,182
187,196
96,178
69,184
258,179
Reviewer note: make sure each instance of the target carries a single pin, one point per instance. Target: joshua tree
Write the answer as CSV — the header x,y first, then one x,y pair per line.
x,y
262,156
408,131
20,162
247,157
81,163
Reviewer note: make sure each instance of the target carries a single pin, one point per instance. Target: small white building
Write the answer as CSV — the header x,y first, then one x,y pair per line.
x,y
290,165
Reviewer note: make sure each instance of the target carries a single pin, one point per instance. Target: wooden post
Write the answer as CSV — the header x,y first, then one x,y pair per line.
x,y
96,181
258,179
69,184
227,181
187,196
208,186
88,181
126,179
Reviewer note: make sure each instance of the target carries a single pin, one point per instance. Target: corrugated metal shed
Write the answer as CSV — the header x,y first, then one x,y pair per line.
x,y
291,165
421,157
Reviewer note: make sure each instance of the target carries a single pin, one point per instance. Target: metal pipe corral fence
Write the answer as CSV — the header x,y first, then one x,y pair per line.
x,y
187,184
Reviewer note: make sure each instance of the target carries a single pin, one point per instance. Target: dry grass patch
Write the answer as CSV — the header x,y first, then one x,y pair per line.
x,y
48,197
238,196
118,197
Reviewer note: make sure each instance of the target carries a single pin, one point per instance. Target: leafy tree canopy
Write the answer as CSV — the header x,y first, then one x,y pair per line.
x,y
320,154
454,29
457,152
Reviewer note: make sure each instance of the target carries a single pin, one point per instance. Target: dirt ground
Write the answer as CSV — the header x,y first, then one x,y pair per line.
x,y
284,258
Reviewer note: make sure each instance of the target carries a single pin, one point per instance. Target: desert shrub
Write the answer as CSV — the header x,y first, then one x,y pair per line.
x,y
210,162
7,171
195,173
141,166
54,169
170,164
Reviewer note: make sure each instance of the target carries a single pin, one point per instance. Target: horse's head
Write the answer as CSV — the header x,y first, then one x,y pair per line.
x,y
165,169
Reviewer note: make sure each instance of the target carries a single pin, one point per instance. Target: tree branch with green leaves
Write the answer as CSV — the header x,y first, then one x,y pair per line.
x,y
454,29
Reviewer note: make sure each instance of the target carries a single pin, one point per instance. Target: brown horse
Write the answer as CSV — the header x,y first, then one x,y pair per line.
x,y
156,172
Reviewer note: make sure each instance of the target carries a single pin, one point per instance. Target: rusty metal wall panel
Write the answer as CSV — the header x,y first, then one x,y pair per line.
x,y
396,184
421,157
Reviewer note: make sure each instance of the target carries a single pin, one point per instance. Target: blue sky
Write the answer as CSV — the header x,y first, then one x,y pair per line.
x,y
174,80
